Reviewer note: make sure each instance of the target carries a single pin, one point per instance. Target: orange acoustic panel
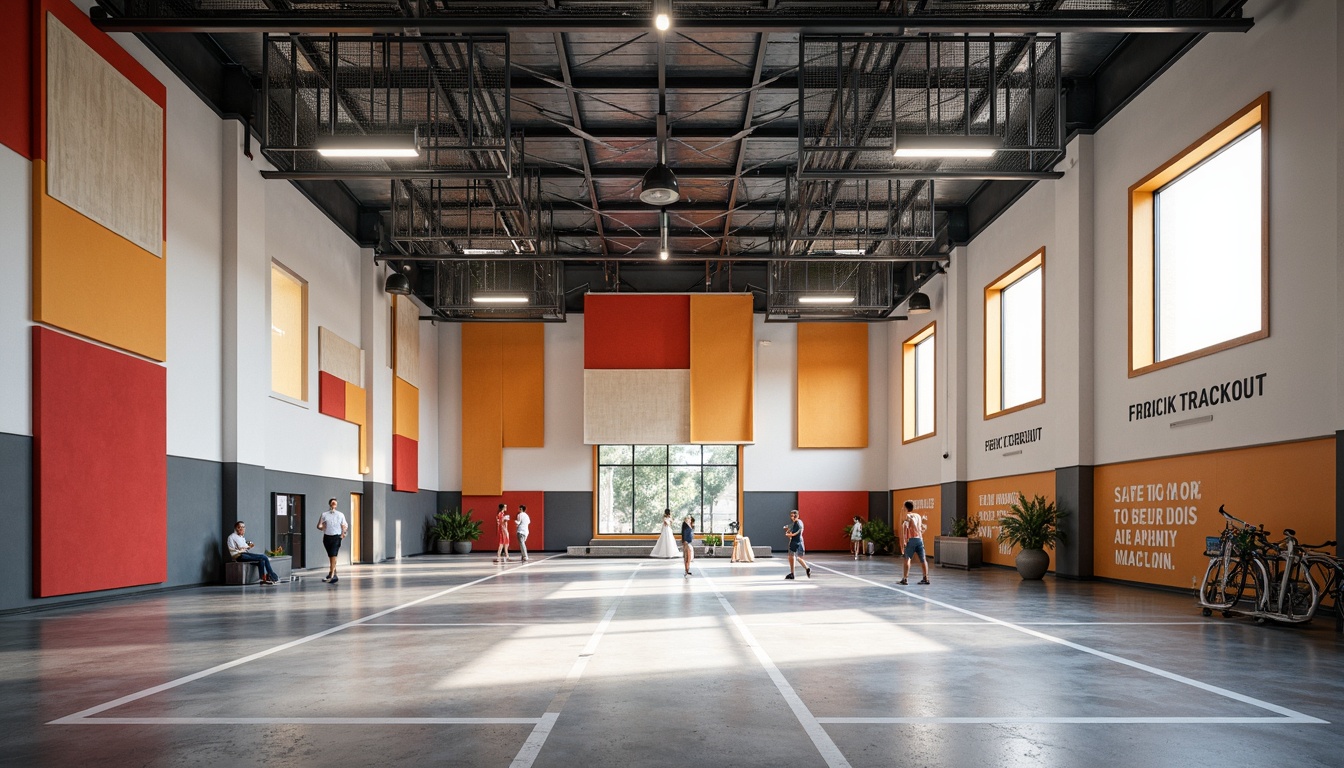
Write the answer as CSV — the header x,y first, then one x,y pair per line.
x,y
93,282
356,401
406,409
1150,517
482,412
722,369
832,385
522,349
987,501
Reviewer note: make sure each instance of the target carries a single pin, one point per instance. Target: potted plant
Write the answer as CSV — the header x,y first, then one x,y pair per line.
x,y
963,549
452,532
1032,525
281,563
462,530
712,540
879,537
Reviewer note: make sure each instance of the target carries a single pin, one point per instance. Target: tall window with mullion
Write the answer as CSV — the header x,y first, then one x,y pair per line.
x,y
635,483
1015,338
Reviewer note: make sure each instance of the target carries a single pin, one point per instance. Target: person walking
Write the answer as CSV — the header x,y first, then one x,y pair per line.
x,y
688,542
522,523
856,536
912,534
502,530
239,549
794,532
333,526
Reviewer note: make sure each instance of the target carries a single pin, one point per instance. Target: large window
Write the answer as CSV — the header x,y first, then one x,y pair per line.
x,y
635,483
1015,338
1199,246
918,385
289,334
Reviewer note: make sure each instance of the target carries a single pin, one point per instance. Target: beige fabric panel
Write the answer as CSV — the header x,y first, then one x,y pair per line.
x,y
406,339
648,407
104,141
339,357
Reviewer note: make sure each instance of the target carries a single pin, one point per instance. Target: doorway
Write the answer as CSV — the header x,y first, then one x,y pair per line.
x,y
356,541
287,526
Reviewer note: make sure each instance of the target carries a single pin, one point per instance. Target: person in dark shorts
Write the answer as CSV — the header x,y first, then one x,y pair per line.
x,y
333,526
794,531
688,542
912,535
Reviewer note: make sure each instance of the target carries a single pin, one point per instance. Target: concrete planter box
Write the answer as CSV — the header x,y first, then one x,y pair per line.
x,y
960,552
283,566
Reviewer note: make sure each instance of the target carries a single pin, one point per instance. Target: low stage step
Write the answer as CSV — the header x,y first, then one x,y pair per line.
x,y
616,548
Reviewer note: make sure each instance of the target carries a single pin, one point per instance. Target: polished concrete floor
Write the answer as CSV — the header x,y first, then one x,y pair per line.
x,y
567,662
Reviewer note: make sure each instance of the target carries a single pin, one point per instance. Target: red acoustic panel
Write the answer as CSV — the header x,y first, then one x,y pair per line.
x,y
16,79
636,331
330,395
825,515
483,510
100,467
405,464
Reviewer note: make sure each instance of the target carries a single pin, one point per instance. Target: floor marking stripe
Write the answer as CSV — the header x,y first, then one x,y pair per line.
x,y
1289,715
86,713
470,624
811,726
309,721
537,739
1061,720
978,623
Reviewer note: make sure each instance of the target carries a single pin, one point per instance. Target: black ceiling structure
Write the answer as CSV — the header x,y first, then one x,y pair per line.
x,y
536,121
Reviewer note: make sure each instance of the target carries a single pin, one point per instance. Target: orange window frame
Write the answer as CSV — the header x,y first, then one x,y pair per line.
x,y
993,342
908,383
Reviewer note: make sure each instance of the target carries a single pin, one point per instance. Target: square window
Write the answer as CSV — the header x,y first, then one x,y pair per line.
x,y
636,483
1198,250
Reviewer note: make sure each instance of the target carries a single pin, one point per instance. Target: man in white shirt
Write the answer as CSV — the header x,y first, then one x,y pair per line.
x,y
239,549
523,522
333,526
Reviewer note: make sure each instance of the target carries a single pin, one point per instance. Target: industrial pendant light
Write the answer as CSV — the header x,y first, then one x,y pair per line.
x,y
919,303
660,183
398,284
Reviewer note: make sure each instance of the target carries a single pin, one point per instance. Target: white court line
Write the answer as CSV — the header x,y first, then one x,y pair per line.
x,y
978,623
1289,715
468,624
811,726
310,721
537,739
1049,720
82,716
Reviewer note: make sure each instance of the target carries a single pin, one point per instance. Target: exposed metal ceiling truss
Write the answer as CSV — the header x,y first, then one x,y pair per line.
x,y
537,121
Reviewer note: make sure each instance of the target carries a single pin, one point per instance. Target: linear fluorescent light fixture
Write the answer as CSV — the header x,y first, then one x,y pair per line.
x,y
369,145
825,299
850,252
921,145
500,299
483,251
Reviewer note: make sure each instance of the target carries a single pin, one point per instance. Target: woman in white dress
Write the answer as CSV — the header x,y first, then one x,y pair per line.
x,y
667,544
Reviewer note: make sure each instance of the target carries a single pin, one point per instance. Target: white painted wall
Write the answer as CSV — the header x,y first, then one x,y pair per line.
x,y
774,463
915,463
16,308
1292,53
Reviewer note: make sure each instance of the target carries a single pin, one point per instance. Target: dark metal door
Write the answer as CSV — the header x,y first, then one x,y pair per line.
x,y
287,525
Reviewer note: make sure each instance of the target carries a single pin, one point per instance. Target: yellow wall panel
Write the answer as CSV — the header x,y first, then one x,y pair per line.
x,y
522,348
356,402
832,385
482,412
405,408
723,369
93,282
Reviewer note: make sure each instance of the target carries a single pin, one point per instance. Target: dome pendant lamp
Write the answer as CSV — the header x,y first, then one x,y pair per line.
x,y
660,183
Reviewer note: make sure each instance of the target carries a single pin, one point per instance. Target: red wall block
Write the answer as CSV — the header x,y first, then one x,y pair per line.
x,y
636,331
484,508
330,395
825,515
405,464
16,78
100,467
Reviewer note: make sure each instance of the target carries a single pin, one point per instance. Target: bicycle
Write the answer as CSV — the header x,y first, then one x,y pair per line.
x,y
1233,567
1291,595
1328,572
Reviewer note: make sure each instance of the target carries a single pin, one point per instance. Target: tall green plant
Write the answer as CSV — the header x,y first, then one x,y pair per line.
x,y
453,526
1032,524
878,532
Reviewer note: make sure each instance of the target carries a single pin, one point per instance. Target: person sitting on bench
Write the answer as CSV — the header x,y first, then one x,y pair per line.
x,y
239,548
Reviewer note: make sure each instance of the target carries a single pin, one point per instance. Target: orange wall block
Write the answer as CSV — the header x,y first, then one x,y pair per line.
x,y
723,370
406,409
832,385
988,500
482,413
522,349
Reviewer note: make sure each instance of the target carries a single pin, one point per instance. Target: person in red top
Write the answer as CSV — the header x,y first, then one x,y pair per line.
x,y
502,528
